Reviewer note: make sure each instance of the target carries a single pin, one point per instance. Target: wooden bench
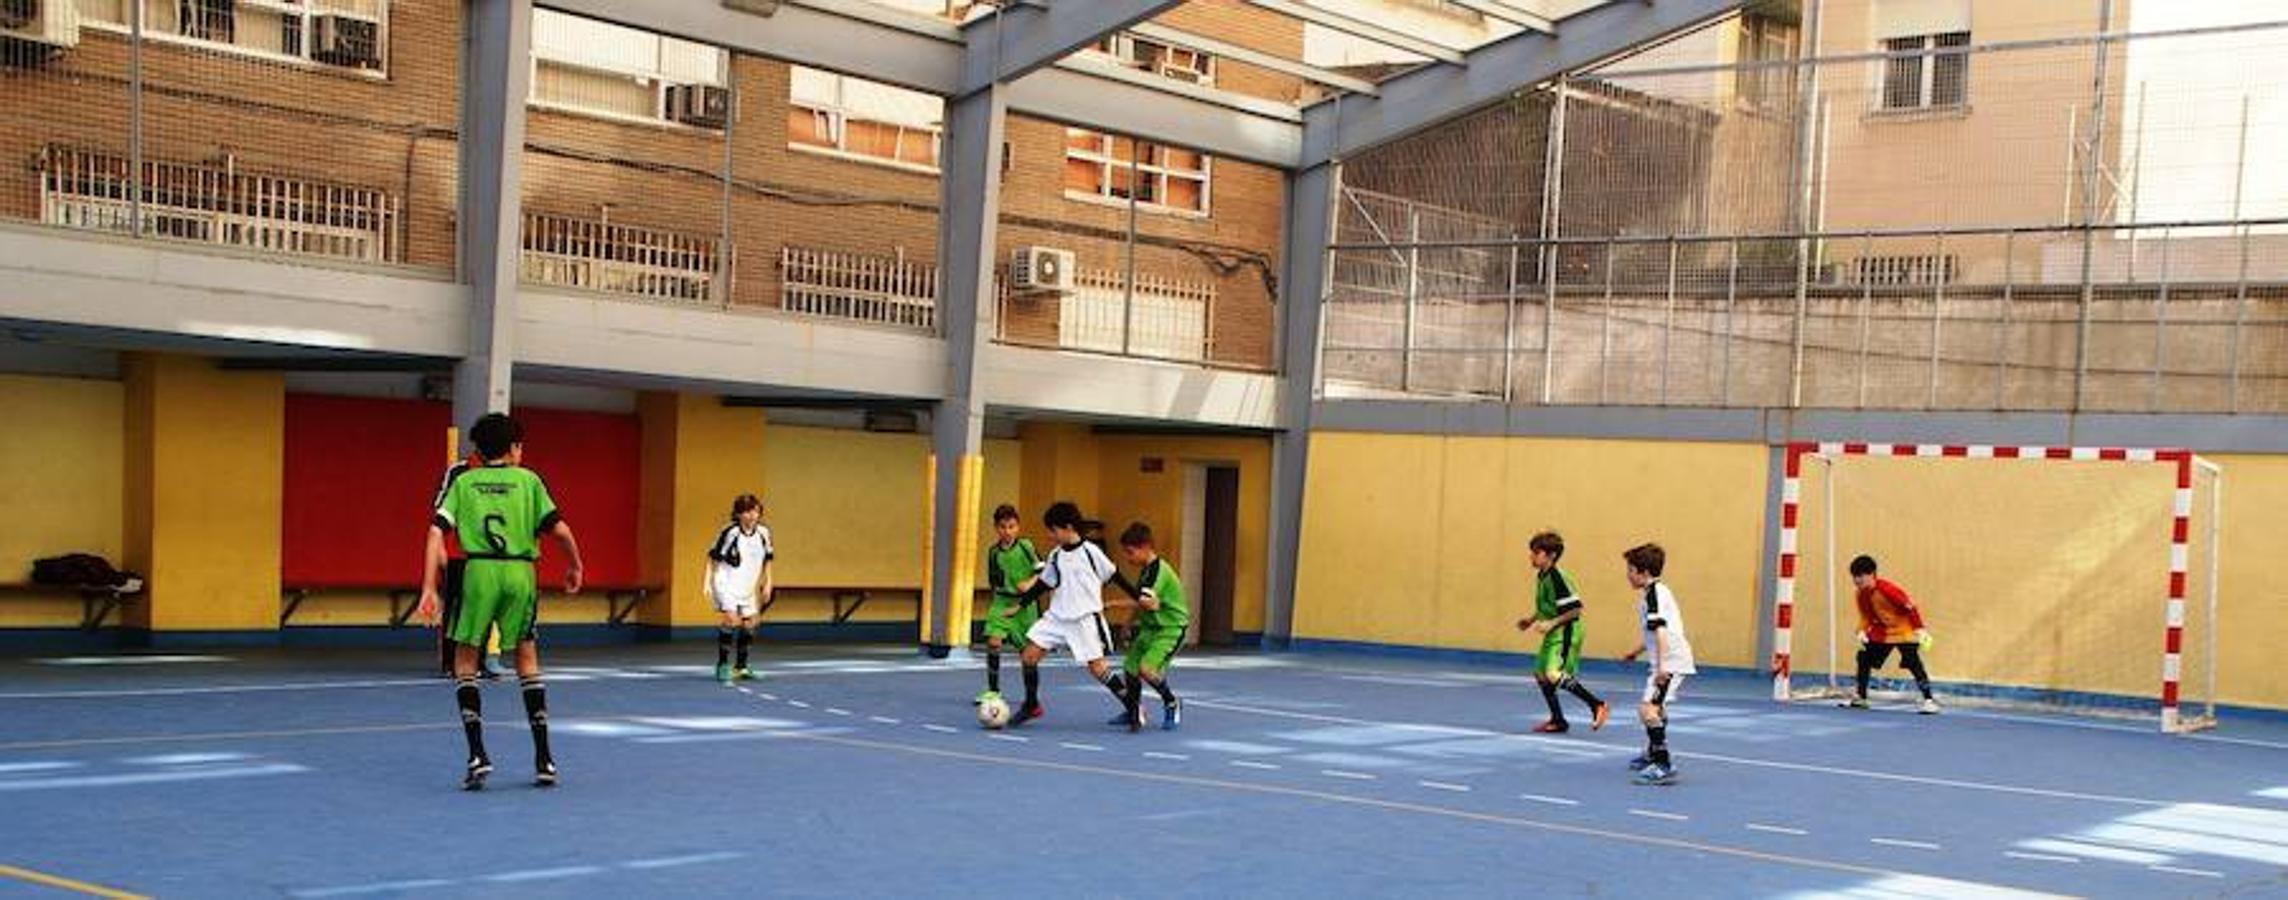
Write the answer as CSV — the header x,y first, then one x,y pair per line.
x,y
846,599
97,601
405,601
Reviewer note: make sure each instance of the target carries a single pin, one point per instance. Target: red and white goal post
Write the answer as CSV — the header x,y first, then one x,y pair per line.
x,y
2040,584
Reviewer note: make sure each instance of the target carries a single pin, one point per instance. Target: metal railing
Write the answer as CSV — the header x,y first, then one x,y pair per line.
x,y
566,251
81,188
881,290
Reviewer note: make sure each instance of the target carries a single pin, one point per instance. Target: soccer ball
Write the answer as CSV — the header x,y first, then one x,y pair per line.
x,y
993,713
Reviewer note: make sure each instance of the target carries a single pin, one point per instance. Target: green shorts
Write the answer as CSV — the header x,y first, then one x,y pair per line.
x,y
1152,649
497,592
1010,618
1560,654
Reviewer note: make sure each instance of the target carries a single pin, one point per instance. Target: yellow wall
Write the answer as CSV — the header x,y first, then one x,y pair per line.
x,y
2251,600
1420,540
204,452
1128,494
697,455
60,462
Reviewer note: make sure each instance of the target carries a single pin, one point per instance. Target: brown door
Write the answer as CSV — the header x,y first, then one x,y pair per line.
x,y
1219,559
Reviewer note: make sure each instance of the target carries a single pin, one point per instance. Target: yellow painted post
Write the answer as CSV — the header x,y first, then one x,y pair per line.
x,y
929,540
963,553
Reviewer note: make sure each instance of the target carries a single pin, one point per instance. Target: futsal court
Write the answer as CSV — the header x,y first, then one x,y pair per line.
x,y
848,771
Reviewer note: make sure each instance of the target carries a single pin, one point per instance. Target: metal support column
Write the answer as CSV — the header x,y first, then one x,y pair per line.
x,y
497,81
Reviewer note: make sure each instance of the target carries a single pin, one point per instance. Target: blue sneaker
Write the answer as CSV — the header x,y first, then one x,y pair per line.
x,y
1639,763
1657,774
1171,715
723,674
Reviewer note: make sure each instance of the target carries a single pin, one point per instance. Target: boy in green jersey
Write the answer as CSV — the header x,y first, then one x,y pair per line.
x,y
1163,615
499,510
1009,563
1557,618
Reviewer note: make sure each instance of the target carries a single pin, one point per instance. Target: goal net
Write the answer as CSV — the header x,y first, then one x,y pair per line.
x,y
2065,579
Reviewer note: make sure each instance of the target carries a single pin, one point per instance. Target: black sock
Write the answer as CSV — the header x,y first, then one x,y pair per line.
x,y
722,646
536,713
993,671
1658,750
1118,687
1912,656
1032,685
745,640
1577,689
1132,695
1161,685
1549,694
472,714
1865,666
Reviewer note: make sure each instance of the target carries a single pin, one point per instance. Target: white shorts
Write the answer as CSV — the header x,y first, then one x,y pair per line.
x,y
1086,638
745,607
1653,693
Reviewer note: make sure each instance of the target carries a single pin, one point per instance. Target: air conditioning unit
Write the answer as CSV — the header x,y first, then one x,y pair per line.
x,y
344,40
47,24
1042,269
703,105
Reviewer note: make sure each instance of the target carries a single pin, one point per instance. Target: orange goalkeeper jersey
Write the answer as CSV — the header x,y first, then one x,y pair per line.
x,y
1887,615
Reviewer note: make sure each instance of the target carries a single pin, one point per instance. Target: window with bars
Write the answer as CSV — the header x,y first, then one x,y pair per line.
x,y
222,205
597,68
346,33
1764,42
1930,71
1910,270
1101,166
864,120
1157,58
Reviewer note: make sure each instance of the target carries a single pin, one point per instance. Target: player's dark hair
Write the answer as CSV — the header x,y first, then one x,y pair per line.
x,y
494,434
1004,513
1137,534
1647,558
1549,542
1062,514
745,502
1862,565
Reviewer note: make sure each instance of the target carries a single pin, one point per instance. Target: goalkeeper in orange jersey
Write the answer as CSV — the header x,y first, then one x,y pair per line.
x,y
1888,619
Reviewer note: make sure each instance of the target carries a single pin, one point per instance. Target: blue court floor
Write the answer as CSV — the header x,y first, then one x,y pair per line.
x,y
859,771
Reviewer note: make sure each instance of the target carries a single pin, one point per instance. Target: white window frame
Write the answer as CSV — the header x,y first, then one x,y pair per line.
x,y
1926,54
834,121
653,78
304,10
1120,49
1108,164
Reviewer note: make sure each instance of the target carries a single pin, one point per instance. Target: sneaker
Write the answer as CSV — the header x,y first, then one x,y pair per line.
x,y
1598,716
544,775
1171,715
479,767
723,673
1856,703
1552,727
1026,713
1928,707
1120,719
743,673
1657,774
1639,763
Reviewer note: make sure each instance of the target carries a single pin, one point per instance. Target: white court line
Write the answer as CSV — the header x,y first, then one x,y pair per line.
x,y
883,720
1776,829
544,874
1911,845
1354,776
1656,814
1021,739
1155,754
1553,801
1092,748
941,729
798,704
2198,873
384,887
226,689
836,711
2041,857
1444,786
1252,764
770,696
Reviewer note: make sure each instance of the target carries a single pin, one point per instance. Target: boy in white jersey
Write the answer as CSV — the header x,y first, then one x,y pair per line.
x,y
739,581
1671,659
1074,575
